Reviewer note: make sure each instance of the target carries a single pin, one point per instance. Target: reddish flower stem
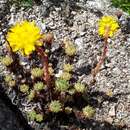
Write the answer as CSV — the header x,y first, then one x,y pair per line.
x,y
48,38
103,56
44,58
46,75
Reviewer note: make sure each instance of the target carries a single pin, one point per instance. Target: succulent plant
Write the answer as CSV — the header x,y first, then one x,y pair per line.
x,y
57,93
24,88
79,87
55,106
70,48
12,83
39,117
37,72
31,95
7,60
68,67
61,85
8,78
39,86
88,111
32,115
66,76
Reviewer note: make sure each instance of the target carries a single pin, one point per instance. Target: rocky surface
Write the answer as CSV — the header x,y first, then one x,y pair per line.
x,y
7,118
10,116
77,19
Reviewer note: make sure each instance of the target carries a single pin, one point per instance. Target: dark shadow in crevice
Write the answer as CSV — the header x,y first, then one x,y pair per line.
x,y
97,98
38,2
85,69
66,7
71,5
63,121
18,114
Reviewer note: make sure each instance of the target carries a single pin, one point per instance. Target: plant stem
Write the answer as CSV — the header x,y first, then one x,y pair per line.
x,y
46,76
103,56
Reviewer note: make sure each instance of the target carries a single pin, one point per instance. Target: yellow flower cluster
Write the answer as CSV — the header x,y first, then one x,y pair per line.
x,y
24,37
109,25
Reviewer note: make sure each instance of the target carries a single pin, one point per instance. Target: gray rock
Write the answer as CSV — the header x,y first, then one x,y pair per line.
x,y
8,119
84,32
121,115
109,119
112,111
4,8
79,43
98,4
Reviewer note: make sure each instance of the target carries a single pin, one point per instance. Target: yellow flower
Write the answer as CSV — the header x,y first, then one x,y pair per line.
x,y
107,26
24,37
